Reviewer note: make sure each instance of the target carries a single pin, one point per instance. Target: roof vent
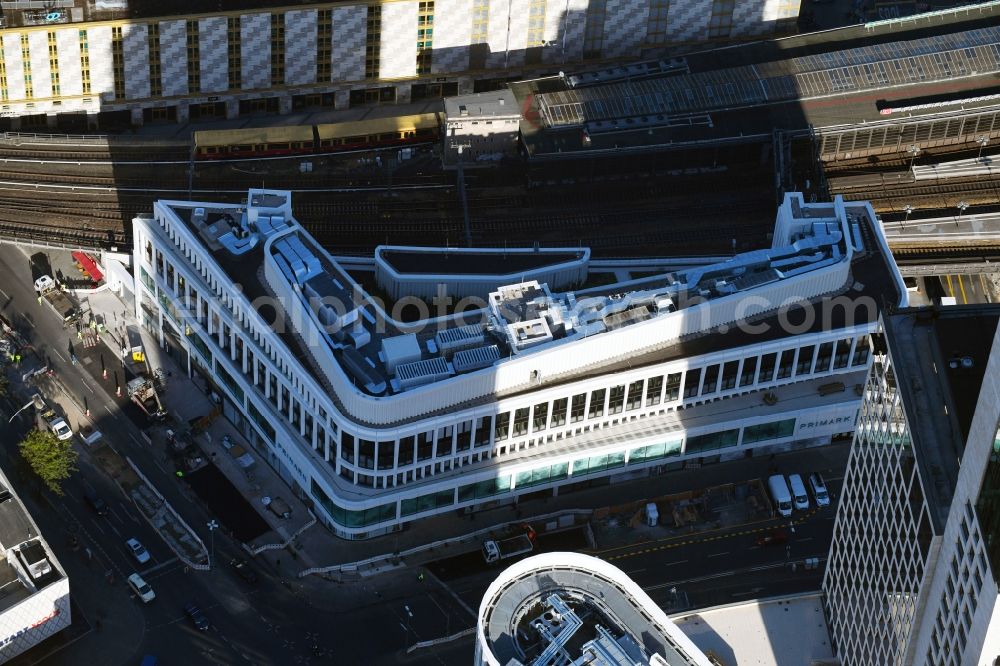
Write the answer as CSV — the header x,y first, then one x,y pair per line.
x,y
463,110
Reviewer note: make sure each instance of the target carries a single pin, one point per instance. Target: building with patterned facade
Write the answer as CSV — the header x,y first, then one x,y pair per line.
x,y
530,393
913,568
35,601
336,54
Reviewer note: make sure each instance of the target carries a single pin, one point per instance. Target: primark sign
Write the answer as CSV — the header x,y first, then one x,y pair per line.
x,y
812,427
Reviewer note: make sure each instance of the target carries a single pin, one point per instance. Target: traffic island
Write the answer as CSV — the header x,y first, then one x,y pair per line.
x,y
154,508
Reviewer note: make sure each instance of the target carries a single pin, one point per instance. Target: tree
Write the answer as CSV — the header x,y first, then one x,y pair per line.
x,y
53,461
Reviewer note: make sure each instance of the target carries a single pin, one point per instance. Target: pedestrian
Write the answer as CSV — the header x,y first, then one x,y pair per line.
x,y
17,359
39,299
79,335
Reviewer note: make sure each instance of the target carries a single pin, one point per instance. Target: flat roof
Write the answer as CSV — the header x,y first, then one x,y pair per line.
x,y
479,261
494,104
784,631
939,358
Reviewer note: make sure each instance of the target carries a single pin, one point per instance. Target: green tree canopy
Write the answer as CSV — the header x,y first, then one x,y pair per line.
x,y
53,461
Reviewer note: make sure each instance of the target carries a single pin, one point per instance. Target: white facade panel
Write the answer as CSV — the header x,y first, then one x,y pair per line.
x,y
102,76
452,36
300,47
348,43
398,50
565,21
41,73
688,20
14,65
497,36
625,24
135,46
255,51
173,58
213,53
518,35
68,48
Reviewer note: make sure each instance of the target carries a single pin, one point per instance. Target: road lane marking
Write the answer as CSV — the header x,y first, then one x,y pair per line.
x,y
115,530
98,526
667,564
951,287
805,539
961,285
59,355
109,410
134,439
634,571
718,554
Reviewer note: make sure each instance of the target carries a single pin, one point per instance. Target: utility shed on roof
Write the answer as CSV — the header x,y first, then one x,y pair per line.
x,y
400,349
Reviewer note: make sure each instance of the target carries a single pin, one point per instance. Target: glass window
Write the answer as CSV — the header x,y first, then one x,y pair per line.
x,y
654,385
520,422
541,418
634,396
503,425
765,431
843,354
804,366
692,382
559,412
463,437
540,475
767,362
482,489
579,407
824,356
617,399
482,434
785,366
406,451
366,453
655,452
712,441
711,379
861,351
598,463
408,507
749,370
425,446
673,390
347,447
596,404
729,371
444,444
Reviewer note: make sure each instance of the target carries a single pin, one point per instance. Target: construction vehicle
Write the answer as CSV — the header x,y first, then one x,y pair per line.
x,y
53,422
133,353
60,303
495,550
143,393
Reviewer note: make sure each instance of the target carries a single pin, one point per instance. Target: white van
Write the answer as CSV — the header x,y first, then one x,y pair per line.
x,y
799,496
779,493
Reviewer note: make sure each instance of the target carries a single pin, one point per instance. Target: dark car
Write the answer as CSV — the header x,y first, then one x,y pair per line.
x,y
773,538
96,503
198,618
243,570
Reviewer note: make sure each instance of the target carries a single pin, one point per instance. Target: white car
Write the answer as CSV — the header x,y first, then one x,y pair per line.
x,y
819,489
141,588
139,552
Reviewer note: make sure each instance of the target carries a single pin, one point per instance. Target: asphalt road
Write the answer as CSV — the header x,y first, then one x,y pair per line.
x,y
271,622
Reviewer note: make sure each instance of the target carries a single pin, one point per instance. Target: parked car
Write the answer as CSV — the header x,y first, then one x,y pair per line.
x,y
141,588
139,551
198,618
243,570
773,538
96,503
818,487
799,496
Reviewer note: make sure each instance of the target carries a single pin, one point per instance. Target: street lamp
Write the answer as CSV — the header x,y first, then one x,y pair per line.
x,y
21,410
908,209
961,205
913,150
212,526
